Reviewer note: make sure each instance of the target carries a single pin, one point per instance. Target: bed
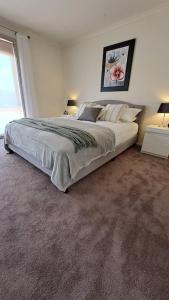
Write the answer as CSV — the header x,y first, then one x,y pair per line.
x,y
55,155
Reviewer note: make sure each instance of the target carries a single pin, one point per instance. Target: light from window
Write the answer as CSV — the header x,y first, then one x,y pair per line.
x,y
10,96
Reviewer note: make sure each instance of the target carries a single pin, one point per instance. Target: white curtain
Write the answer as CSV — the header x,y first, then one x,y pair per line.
x,y
29,95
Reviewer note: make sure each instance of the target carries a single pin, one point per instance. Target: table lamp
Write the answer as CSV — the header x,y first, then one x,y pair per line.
x,y
163,109
72,104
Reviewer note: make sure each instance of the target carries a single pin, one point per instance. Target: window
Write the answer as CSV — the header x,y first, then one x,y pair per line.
x,y
10,95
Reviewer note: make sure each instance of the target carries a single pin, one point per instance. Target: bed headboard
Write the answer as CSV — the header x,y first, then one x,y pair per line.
x,y
132,105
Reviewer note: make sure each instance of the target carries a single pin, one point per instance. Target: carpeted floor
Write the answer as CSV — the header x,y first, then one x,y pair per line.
x,y
107,239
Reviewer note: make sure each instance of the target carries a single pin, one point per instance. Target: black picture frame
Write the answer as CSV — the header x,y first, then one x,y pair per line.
x,y
117,84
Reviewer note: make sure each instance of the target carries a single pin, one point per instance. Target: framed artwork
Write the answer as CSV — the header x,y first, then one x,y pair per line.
x,y
116,66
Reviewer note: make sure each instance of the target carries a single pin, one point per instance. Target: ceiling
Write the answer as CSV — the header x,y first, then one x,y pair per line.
x,y
67,20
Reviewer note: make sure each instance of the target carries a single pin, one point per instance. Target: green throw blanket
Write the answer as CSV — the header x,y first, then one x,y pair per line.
x,y
79,138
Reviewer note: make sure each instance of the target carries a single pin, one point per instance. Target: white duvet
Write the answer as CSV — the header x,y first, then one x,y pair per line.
x,y
123,131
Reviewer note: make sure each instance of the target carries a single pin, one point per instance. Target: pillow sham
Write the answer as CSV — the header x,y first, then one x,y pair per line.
x,y
90,114
86,104
112,112
129,115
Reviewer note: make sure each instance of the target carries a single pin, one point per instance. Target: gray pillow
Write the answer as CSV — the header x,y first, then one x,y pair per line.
x,y
90,114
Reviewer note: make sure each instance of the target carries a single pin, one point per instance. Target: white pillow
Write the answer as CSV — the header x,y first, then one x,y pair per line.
x,y
129,115
112,112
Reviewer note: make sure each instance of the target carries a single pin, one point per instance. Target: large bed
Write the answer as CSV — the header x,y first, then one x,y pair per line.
x,y
55,155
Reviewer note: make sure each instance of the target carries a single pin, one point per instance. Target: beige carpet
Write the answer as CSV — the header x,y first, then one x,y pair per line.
x,y
107,239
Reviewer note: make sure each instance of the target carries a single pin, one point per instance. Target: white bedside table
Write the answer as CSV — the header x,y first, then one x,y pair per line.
x,y
156,141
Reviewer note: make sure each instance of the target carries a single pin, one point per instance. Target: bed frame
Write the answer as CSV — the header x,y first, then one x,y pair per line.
x,y
96,163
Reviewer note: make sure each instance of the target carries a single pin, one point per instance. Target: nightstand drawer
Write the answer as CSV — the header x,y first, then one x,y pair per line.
x,y
156,143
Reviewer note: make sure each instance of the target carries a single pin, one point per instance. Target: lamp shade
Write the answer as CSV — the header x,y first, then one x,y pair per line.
x,y
164,108
71,103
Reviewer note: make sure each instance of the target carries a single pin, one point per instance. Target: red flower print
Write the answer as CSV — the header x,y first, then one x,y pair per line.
x,y
117,73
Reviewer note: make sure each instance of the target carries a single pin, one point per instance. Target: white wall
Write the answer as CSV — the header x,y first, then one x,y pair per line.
x,y
149,83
